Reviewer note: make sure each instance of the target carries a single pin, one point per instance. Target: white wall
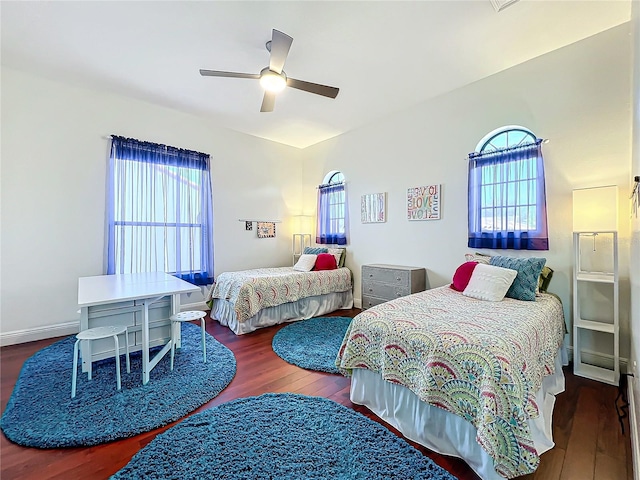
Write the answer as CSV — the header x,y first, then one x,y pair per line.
x,y
577,97
54,159
54,162
635,242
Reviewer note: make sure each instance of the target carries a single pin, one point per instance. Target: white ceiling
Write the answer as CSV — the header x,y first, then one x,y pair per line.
x,y
384,56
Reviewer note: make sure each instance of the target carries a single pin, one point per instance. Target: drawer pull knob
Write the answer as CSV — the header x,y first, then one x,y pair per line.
x,y
398,279
370,275
371,289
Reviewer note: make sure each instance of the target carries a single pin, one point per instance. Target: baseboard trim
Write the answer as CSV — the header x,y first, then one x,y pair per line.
x,y
63,329
633,426
39,333
599,359
194,306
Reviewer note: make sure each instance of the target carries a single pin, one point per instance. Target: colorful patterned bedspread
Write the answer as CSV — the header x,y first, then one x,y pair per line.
x,y
483,361
252,290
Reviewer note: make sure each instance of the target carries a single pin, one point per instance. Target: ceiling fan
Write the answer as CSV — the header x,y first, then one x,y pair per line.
x,y
272,78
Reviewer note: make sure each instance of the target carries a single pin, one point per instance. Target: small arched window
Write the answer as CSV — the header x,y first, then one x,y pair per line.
x,y
505,137
332,210
333,178
507,202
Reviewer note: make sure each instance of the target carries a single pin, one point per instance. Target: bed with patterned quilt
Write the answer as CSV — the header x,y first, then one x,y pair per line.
x,y
251,299
463,376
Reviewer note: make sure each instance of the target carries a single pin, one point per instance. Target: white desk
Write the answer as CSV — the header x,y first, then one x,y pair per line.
x,y
125,300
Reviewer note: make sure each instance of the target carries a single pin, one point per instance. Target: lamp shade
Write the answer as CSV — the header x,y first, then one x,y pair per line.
x,y
595,209
302,223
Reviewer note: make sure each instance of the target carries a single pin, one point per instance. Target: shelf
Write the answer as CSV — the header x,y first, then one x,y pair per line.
x,y
596,326
264,221
582,303
597,277
596,373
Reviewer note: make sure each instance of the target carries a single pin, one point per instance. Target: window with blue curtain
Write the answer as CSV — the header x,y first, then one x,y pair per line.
x,y
160,211
332,211
507,199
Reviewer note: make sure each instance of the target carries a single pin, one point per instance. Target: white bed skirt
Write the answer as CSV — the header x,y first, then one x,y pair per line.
x,y
222,310
444,432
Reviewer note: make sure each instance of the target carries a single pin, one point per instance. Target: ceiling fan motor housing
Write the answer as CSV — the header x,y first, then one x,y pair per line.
x,y
272,81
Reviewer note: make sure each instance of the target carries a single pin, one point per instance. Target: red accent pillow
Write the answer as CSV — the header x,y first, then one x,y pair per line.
x,y
325,261
463,275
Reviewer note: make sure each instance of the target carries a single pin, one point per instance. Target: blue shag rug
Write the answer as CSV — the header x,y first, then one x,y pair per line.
x,y
42,414
283,436
312,344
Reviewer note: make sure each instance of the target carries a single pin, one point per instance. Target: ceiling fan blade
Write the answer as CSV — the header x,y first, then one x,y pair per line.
x,y
215,73
280,45
324,90
268,102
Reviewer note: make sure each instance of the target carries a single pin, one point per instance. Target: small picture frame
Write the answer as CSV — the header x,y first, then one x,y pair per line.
x,y
373,208
266,229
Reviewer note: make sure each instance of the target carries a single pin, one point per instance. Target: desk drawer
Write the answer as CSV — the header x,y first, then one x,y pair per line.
x,y
385,275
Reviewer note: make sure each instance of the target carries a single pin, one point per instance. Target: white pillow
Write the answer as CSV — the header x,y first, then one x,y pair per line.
x,y
477,257
489,282
336,252
306,262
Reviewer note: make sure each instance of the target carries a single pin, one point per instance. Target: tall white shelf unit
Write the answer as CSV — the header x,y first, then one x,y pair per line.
x,y
300,241
609,324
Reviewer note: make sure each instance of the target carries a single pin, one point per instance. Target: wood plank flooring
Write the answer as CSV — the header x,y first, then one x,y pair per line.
x,y
589,442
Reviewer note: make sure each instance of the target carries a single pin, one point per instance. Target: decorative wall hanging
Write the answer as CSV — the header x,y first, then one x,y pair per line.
x,y
423,203
266,229
373,208
248,225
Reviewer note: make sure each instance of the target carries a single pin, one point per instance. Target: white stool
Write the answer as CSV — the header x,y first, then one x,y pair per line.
x,y
96,334
176,322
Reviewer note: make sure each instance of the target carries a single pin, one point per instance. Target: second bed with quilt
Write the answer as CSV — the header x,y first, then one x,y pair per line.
x,y
251,299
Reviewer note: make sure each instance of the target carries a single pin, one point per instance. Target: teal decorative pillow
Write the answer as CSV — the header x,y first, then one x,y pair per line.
x,y
526,282
314,250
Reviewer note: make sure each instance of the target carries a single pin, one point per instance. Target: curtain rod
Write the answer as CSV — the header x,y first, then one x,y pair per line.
x,y
500,150
328,185
264,221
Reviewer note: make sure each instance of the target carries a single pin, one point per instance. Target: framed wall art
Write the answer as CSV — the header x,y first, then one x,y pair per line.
x,y
373,208
424,203
266,229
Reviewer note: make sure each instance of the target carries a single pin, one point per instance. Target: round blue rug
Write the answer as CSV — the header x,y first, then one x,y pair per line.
x,y
41,413
283,436
312,344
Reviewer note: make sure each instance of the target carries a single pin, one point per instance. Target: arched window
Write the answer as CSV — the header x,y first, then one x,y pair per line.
x,y
507,202
332,210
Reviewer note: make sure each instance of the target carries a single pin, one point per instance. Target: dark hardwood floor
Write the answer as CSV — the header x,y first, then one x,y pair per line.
x,y
589,442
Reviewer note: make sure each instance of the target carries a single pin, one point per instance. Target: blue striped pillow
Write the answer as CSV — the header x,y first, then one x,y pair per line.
x,y
525,284
315,250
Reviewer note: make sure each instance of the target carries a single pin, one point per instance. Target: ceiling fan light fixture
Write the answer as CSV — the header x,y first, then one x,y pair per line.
x,y
272,81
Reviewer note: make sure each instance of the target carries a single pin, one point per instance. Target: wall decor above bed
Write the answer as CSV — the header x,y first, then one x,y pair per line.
x,y
373,208
424,203
266,229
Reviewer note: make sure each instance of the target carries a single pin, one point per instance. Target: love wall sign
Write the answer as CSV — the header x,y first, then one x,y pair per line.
x,y
423,203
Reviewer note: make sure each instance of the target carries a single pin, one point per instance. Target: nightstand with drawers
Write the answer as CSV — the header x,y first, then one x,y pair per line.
x,y
381,283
